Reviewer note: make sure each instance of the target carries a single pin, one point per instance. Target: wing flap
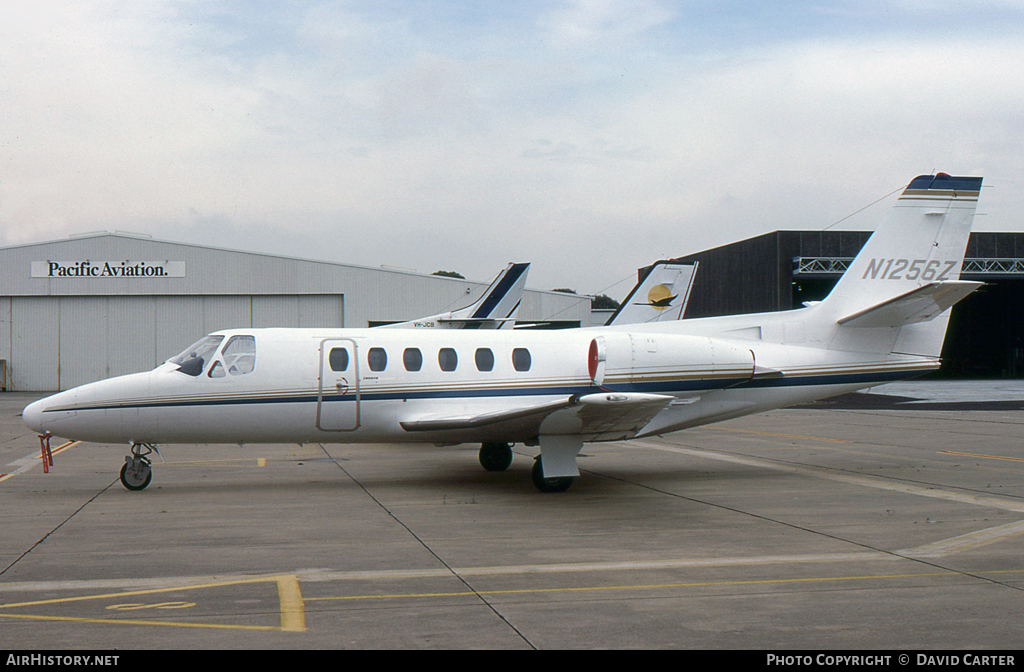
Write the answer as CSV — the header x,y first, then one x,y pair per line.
x,y
591,415
611,415
450,423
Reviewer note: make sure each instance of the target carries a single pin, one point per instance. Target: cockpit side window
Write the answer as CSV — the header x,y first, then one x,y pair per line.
x,y
239,355
192,360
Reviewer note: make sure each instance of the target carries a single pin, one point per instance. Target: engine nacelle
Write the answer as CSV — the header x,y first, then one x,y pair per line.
x,y
667,362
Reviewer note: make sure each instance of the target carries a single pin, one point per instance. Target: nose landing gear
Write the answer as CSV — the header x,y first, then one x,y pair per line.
x,y
137,471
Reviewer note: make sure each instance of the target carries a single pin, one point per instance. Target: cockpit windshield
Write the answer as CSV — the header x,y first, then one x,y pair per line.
x,y
193,359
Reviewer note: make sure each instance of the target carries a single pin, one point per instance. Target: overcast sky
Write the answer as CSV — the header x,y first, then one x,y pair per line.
x,y
587,137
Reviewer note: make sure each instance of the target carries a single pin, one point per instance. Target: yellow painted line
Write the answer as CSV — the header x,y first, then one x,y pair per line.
x,y
159,605
38,459
293,611
653,586
260,462
68,445
126,621
61,448
150,591
291,605
788,436
985,457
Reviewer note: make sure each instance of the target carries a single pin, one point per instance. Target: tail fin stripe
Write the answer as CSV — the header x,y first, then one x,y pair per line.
x,y
500,291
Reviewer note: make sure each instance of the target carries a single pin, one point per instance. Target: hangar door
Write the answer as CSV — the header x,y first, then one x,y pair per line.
x,y
56,343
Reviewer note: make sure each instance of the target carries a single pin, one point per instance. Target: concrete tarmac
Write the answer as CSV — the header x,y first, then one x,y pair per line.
x,y
857,524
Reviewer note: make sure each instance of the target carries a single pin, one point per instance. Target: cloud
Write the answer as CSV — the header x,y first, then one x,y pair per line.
x,y
588,137
576,23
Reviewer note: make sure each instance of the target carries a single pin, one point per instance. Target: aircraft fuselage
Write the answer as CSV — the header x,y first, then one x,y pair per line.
x,y
368,385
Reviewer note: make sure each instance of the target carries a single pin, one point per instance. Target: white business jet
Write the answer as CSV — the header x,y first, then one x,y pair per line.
x,y
885,320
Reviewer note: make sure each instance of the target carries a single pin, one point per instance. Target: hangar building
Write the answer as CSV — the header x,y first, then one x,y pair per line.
x,y
90,307
783,269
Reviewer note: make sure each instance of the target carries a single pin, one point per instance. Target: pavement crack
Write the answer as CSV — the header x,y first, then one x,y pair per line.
x,y
431,551
62,523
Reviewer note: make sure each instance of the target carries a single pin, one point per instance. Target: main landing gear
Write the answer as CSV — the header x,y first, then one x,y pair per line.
x,y
498,457
556,484
137,471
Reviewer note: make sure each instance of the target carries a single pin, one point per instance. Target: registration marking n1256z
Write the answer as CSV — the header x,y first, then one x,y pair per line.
x,y
908,269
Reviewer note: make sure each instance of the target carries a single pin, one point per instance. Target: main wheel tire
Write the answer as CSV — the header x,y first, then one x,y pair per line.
x,y
556,484
495,456
133,479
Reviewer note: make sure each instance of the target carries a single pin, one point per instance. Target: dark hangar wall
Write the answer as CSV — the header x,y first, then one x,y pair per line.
x,y
756,275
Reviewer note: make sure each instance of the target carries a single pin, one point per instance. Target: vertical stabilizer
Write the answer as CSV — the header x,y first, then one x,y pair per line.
x,y
922,240
907,276
660,295
495,309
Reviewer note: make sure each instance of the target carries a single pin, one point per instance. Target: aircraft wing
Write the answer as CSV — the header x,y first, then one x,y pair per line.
x,y
603,416
917,305
435,423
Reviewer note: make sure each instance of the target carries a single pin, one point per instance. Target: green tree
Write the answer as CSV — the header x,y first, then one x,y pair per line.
x,y
604,302
449,274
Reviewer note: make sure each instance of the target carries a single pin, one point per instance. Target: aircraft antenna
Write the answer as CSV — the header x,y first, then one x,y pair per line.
x,y
864,208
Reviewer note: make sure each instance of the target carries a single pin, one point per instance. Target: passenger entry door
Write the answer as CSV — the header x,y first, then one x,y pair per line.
x,y
337,403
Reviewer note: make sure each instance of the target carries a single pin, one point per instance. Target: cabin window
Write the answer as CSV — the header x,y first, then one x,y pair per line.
x,y
521,359
338,359
193,359
216,371
484,359
413,359
447,359
377,359
239,355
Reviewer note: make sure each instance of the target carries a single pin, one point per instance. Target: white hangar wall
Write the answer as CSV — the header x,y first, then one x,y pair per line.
x,y
86,308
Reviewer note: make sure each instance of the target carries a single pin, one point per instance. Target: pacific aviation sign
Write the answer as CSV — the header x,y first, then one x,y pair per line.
x,y
108,269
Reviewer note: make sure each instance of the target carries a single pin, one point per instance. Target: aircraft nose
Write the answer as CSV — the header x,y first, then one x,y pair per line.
x,y
32,416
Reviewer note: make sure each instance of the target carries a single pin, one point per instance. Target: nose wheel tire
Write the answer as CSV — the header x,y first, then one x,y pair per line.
x,y
556,484
136,473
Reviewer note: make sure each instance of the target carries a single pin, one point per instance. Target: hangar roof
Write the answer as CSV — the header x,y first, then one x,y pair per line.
x,y
130,264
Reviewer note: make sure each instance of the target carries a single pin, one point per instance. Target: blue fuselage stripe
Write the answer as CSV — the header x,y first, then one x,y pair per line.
x,y
661,387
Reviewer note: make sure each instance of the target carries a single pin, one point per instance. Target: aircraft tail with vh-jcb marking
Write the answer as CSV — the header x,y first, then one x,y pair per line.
x,y
896,293
495,309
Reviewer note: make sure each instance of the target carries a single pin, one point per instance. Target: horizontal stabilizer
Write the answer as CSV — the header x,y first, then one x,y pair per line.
x,y
474,320
918,305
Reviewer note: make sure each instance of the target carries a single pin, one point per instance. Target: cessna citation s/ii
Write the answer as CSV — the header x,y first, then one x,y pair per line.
x,y
884,321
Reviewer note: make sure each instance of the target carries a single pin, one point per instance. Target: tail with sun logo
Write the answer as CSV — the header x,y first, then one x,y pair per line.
x,y
659,296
